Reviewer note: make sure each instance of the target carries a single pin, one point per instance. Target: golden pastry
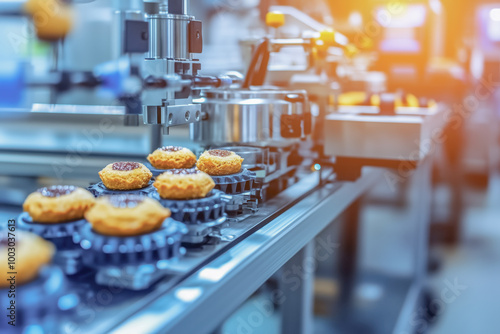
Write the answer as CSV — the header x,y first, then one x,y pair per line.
x,y
125,176
31,254
219,162
57,204
126,215
172,157
183,184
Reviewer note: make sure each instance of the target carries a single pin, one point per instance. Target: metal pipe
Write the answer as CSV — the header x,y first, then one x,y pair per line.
x,y
168,36
179,7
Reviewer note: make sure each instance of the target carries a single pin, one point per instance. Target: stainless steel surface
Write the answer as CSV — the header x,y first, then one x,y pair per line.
x,y
69,142
402,292
152,114
78,109
210,294
169,47
172,115
181,6
169,36
177,37
409,135
420,197
244,121
156,98
254,93
125,304
157,27
244,116
197,293
181,114
297,313
121,16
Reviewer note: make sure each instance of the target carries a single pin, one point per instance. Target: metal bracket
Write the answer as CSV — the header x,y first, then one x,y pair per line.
x,y
180,114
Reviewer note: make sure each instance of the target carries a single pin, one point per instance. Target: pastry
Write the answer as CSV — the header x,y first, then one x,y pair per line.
x,y
172,157
126,215
125,176
183,184
219,162
31,254
57,204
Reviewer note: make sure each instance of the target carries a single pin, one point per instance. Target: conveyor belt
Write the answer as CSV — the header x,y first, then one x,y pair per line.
x,y
126,303
224,278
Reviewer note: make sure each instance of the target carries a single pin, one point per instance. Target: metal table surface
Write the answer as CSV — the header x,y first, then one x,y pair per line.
x,y
209,283
211,293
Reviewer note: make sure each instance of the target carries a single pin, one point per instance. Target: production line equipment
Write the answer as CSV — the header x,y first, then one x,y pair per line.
x,y
279,127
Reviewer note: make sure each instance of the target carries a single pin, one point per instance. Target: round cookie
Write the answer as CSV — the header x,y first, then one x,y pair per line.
x,y
172,157
57,204
183,184
126,215
31,252
219,162
125,176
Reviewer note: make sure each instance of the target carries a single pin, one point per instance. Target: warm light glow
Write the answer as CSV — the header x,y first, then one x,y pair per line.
x,y
413,16
355,19
436,6
495,14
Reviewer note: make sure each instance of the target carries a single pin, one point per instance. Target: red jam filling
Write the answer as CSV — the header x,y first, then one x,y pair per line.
x,y
219,153
171,148
125,201
183,171
125,166
56,191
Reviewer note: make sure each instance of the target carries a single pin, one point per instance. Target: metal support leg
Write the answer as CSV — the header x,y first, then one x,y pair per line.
x,y
453,148
420,188
422,212
348,251
297,309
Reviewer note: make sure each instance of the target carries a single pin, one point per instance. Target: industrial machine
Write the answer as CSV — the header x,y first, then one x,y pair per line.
x,y
64,119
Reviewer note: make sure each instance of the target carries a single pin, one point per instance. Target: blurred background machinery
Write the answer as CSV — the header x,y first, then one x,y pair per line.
x,y
363,121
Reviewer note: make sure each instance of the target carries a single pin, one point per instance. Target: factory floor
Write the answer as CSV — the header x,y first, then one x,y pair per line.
x,y
475,265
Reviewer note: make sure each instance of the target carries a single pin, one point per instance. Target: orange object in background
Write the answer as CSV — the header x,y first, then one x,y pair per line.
x,y
358,99
52,18
275,19
352,98
364,99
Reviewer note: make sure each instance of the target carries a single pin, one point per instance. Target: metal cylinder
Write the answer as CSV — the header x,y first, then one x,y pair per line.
x,y
232,121
179,7
243,116
168,36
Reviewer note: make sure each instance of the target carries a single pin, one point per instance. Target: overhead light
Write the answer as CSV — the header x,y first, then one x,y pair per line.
x,y
355,19
495,14
436,6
